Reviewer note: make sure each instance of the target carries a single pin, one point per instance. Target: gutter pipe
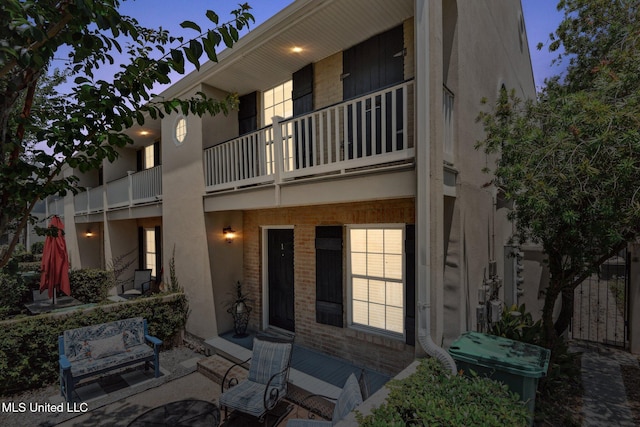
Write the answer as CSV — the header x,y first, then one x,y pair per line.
x,y
423,193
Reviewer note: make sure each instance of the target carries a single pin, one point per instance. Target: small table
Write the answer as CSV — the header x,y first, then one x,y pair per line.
x,y
187,413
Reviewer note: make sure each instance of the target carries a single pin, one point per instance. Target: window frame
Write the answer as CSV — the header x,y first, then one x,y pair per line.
x,y
176,126
149,231
286,97
350,275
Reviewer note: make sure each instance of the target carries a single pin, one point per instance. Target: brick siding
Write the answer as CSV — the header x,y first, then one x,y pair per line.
x,y
381,353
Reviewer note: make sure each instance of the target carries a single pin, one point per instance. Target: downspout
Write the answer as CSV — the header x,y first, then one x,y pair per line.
x,y
423,204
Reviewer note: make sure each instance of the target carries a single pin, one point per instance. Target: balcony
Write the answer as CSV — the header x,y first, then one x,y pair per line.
x,y
371,131
134,189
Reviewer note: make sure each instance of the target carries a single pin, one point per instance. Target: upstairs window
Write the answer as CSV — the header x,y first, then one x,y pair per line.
x,y
277,101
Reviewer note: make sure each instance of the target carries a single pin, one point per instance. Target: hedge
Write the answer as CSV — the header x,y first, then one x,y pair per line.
x,y
29,345
433,397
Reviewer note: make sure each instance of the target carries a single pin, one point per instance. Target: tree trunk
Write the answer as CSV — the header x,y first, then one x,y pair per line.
x,y
566,312
548,327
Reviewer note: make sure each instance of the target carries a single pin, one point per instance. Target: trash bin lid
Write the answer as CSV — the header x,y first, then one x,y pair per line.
x,y
491,351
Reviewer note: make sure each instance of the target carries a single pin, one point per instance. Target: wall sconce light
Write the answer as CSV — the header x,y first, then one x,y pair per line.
x,y
89,233
229,234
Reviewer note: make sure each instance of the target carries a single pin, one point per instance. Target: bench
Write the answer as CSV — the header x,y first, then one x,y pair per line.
x,y
94,350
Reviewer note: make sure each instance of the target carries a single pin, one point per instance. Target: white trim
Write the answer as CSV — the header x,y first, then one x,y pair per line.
x,y
264,229
349,291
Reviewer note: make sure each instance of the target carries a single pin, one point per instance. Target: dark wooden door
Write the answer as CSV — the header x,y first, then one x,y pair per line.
x,y
280,267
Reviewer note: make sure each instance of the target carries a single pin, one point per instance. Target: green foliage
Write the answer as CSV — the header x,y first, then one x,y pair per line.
x,y
571,160
431,396
37,247
174,284
517,324
30,266
86,126
14,292
29,346
90,285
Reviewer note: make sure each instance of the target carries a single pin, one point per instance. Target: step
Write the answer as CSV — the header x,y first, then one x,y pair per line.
x,y
301,384
215,367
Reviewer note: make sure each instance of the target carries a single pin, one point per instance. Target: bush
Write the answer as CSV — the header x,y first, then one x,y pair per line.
x,y
37,247
14,291
30,266
90,285
432,396
29,346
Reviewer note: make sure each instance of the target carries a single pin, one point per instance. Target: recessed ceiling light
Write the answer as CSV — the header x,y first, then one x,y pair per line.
x,y
296,49
144,132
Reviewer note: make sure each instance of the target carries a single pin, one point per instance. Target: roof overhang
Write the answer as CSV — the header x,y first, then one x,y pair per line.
x,y
264,57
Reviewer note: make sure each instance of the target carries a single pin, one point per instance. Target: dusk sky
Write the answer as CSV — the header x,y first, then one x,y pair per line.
x,y
541,18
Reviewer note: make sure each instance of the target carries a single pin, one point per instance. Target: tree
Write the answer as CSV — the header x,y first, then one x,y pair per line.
x,y
571,160
86,126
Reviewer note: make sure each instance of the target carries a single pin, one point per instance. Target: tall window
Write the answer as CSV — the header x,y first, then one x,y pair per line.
x,y
376,277
150,250
277,102
149,158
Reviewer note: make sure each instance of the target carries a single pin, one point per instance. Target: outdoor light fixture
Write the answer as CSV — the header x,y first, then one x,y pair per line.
x,y
229,234
296,49
89,233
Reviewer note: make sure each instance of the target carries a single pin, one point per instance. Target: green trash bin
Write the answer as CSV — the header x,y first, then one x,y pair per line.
x,y
514,363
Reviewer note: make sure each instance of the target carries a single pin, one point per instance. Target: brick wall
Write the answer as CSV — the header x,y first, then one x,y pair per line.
x,y
375,351
327,89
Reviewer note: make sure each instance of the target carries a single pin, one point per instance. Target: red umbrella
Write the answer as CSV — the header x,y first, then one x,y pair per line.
x,y
55,263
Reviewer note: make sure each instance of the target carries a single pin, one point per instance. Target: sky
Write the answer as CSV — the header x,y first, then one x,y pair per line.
x,y
541,18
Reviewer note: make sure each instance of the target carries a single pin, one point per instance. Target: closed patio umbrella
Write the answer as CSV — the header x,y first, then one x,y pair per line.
x,y
55,262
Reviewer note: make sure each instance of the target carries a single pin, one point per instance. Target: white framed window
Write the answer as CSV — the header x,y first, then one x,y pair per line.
x,y
149,237
277,101
180,130
376,277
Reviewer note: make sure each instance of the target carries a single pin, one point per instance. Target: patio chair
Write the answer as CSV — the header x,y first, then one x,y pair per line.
x,y
140,284
350,397
266,384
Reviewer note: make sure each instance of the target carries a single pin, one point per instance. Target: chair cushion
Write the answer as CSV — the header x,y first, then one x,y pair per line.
x,y
348,399
106,346
269,358
90,365
247,397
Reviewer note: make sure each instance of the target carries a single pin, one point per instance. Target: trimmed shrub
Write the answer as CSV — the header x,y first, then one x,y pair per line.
x,y
30,266
29,346
90,285
432,396
14,292
37,247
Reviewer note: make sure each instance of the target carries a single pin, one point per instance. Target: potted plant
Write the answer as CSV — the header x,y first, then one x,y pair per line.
x,y
240,311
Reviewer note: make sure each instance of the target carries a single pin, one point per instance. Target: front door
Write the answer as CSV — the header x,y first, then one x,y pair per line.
x,y
280,276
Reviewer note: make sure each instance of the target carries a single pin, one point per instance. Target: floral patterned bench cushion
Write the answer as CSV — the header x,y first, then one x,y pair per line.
x,y
78,342
88,365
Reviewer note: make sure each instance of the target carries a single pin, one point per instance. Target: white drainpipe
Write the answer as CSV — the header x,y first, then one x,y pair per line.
x,y
423,204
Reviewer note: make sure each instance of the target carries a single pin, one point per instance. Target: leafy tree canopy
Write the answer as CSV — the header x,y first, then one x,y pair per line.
x,y
86,126
571,159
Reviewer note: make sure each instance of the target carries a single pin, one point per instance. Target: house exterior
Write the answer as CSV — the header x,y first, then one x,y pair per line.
x,y
347,178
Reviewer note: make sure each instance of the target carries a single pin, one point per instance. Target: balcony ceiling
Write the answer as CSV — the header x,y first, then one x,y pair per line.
x,y
263,58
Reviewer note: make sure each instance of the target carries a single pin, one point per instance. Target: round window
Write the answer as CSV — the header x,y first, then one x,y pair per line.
x,y
181,130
